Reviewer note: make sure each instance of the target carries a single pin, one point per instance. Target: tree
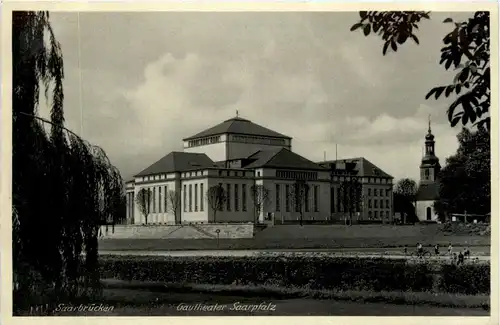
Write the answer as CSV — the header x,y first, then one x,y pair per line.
x,y
174,202
351,196
465,183
405,192
216,197
299,198
260,198
466,48
143,200
57,175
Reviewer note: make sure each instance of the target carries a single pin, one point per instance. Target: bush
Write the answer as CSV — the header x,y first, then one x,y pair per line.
x,y
466,279
375,274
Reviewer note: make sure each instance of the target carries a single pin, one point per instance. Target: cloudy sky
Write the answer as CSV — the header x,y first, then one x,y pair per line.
x,y
150,79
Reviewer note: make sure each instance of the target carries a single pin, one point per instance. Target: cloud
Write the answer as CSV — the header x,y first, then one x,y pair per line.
x,y
151,79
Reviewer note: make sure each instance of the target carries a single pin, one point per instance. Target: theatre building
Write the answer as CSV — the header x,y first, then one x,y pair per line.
x,y
260,176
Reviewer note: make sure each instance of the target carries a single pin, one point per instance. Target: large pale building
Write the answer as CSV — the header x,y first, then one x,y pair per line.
x,y
428,189
241,156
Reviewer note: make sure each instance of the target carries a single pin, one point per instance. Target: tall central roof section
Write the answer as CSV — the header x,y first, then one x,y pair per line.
x,y
235,138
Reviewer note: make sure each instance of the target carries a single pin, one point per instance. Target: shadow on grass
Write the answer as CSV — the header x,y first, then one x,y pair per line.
x,y
168,291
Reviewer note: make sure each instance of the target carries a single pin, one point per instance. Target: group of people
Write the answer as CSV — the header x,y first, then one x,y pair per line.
x,y
459,258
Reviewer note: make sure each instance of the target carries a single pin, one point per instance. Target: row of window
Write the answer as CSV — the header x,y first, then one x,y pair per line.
x,y
259,140
161,199
379,192
199,199
296,175
231,200
376,204
204,141
297,196
237,173
375,215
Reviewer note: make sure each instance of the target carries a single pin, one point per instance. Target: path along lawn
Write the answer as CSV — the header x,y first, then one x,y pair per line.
x,y
290,243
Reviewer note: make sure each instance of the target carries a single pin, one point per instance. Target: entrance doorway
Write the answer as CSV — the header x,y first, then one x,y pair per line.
x,y
428,213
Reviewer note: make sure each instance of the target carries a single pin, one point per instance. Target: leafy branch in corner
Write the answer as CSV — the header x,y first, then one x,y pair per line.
x,y
466,49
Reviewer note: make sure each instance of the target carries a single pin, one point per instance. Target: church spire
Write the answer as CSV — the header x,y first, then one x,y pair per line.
x,y
430,163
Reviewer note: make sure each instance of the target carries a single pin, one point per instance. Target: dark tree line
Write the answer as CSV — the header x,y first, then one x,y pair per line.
x,y
465,181
63,187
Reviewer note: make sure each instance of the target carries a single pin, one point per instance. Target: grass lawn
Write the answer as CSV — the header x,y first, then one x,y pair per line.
x,y
310,237
287,243
149,298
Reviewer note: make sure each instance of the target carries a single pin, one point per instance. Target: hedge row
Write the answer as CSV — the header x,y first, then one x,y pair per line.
x,y
467,279
375,274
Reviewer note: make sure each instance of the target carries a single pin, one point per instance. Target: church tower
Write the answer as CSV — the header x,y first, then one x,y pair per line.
x,y
428,190
429,167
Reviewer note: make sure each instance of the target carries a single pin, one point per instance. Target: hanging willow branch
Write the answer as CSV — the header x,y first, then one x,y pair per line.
x,y
63,187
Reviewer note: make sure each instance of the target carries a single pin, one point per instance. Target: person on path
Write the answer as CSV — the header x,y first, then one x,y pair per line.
x,y
460,258
436,249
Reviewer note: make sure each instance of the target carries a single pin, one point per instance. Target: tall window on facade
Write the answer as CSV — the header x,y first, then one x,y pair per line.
x,y
369,192
236,198
375,202
370,215
426,173
369,203
244,197
387,203
228,200
278,199
376,214
332,199
154,200
165,199
339,196
190,198
306,200
195,197
202,197
159,200
316,208
185,198
287,198
375,192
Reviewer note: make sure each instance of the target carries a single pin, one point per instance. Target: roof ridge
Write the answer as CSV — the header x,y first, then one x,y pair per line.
x,y
274,155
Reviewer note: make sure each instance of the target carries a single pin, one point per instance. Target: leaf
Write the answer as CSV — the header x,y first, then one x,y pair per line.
x,y
367,29
376,27
454,121
386,45
448,20
439,91
356,26
465,119
402,37
458,88
429,94
415,38
394,46
363,14
449,90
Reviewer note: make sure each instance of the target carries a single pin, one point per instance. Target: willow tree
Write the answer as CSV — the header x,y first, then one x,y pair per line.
x,y
63,187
